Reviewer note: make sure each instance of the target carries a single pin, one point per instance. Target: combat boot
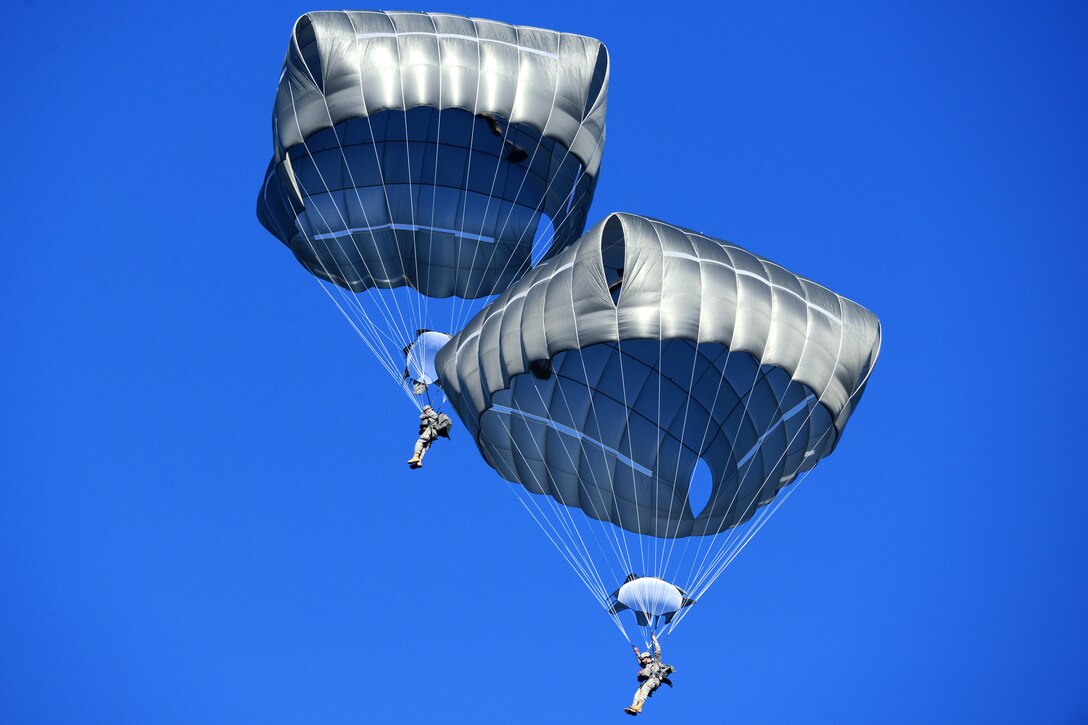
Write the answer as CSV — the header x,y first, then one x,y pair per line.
x,y
635,709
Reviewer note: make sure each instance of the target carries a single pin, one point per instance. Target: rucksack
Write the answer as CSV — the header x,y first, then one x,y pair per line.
x,y
444,425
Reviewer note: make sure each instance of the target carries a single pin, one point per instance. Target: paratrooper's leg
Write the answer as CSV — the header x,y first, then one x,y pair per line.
x,y
422,445
640,696
420,449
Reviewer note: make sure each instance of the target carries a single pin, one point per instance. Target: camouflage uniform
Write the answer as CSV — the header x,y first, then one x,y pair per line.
x,y
651,676
428,433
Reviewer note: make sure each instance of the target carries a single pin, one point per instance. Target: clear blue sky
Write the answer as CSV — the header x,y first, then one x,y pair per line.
x,y
204,510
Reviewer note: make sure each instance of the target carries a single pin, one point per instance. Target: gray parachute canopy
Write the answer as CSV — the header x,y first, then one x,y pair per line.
x,y
604,375
428,150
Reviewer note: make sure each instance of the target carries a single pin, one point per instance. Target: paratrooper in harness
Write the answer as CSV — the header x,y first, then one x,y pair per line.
x,y
652,674
431,425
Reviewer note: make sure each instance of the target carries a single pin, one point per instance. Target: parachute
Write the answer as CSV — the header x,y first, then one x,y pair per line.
x,y
419,357
423,162
650,599
602,379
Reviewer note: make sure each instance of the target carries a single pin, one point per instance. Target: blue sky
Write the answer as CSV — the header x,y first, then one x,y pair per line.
x,y
204,510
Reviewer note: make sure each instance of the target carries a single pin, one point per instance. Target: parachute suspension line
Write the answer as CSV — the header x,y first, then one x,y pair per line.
x,y
719,569
669,546
563,515
630,443
455,321
733,535
708,540
406,327
360,313
657,421
514,202
544,243
710,423
714,569
698,559
617,539
419,303
763,517
361,317
409,332
340,213
436,403
410,195
598,588
728,554
569,207
738,538
563,509
749,526
611,483
580,566
426,301
587,571
351,300
324,267
724,558
379,353
571,203
566,524
697,562
621,546
376,333
664,561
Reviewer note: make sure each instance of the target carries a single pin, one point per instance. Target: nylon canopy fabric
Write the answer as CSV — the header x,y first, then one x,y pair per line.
x,y
650,596
428,150
659,346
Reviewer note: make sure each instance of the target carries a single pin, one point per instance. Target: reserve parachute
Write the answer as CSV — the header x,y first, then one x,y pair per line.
x,y
600,381
422,162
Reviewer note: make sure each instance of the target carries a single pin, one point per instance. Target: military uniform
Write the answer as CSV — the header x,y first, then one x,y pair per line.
x,y
651,676
428,433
